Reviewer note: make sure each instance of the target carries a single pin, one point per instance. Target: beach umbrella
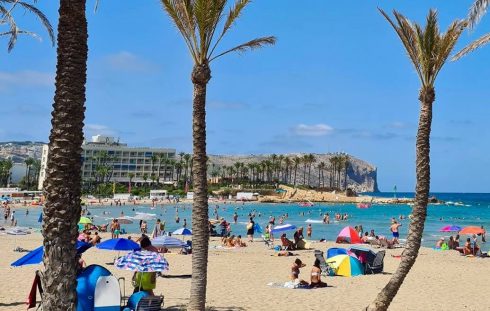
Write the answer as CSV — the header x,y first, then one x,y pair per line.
x,y
142,261
182,231
36,256
451,228
84,221
281,228
472,230
167,241
119,244
348,235
345,265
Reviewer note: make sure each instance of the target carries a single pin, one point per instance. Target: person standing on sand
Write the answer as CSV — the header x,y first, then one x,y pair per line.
x,y
235,217
12,218
251,230
394,230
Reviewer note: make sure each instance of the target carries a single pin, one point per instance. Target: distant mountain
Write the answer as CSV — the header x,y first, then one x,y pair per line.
x,y
18,151
361,175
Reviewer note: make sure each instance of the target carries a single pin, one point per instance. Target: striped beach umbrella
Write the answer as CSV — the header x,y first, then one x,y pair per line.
x,y
142,261
452,228
345,265
282,228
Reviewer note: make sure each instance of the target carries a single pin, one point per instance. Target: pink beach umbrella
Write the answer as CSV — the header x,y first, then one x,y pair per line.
x,y
348,235
451,228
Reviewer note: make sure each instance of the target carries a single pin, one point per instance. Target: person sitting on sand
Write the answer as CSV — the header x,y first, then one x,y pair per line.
x,y
239,242
230,241
450,243
316,272
96,239
470,248
286,243
456,241
439,243
298,264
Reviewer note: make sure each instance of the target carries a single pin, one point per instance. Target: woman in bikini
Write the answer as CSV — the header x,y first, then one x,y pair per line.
x,y
316,273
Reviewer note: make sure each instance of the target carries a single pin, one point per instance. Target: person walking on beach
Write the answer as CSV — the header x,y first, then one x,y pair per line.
x,y
185,223
394,230
12,218
309,230
235,217
483,237
251,230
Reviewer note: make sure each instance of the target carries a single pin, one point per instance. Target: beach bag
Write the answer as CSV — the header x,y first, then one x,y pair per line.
x,y
249,226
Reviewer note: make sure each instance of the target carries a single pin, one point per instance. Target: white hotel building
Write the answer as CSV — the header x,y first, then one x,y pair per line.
x,y
124,159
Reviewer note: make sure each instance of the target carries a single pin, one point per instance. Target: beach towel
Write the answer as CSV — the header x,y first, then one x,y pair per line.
x,y
290,285
31,299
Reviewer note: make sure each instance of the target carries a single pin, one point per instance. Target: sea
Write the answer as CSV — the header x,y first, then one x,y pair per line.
x,y
463,209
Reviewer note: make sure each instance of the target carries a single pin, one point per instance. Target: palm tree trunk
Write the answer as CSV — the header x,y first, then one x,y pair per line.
x,y
419,212
201,75
63,183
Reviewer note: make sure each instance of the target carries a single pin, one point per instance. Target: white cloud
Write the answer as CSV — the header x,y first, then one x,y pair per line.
x,y
25,78
98,129
226,105
398,125
127,61
312,130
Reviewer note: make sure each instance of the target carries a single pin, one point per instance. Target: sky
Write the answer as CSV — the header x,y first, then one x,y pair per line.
x,y
338,79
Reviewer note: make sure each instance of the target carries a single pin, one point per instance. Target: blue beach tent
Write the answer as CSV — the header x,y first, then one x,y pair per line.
x,y
98,290
36,256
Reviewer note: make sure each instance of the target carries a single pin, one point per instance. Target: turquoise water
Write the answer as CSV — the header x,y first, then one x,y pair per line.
x,y
474,211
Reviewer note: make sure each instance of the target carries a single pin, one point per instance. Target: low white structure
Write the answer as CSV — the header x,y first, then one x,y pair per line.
x,y
245,196
158,194
190,196
123,196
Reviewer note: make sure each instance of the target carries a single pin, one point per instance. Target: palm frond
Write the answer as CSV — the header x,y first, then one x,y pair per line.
x,y
477,10
13,27
407,35
446,45
172,9
250,45
44,20
472,46
233,15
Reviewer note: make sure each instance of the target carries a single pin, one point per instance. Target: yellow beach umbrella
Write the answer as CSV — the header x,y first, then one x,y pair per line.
x,y
84,221
345,265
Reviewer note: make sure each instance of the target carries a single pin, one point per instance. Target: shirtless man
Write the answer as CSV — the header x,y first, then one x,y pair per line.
x,y
394,230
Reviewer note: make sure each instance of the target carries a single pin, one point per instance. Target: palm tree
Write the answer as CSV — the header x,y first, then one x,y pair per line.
x,y
197,21
477,10
62,186
311,159
7,7
297,161
428,50
305,159
28,162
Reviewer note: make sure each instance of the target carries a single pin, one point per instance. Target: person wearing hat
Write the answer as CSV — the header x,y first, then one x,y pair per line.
x,y
440,242
298,264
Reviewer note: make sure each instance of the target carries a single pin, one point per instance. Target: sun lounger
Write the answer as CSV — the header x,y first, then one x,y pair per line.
x,y
323,264
150,303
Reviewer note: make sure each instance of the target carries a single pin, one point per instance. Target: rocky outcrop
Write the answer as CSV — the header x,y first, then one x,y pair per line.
x,y
361,176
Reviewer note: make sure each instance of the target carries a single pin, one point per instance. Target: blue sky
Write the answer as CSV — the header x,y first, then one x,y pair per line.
x,y
337,80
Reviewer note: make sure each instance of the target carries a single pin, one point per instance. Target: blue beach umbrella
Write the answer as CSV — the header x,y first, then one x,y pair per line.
x,y
182,231
167,241
142,261
119,244
282,228
36,256
452,228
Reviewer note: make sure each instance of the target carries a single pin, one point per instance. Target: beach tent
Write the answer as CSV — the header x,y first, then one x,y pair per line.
x,y
452,228
36,256
97,290
182,231
345,265
119,244
472,230
364,254
168,242
348,235
282,228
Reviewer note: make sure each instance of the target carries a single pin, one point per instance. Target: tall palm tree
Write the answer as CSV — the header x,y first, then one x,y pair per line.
x,y
428,50
62,186
297,162
477,10
131,176
197,21
7,7
311,159
28,162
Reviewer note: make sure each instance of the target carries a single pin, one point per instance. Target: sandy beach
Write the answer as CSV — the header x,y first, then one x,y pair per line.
x,y
238,280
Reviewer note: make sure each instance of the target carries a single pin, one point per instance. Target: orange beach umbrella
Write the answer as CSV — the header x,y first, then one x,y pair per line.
x,y
472,230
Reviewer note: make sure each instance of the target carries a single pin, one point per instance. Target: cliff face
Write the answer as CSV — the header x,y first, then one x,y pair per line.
x,y
361,176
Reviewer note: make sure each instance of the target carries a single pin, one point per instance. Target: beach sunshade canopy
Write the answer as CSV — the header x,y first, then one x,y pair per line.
x,y
85,221
345,265
142,261
364,254
119,244
182,231
168,242
36,256
472,230
451,228
124,220
282,228
348,235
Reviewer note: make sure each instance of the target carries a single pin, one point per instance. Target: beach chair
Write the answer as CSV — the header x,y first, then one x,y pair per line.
x,y
150,303
268,242
376,265
323,264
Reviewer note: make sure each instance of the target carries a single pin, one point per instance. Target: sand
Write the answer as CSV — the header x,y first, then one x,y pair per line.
x,y
238,280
